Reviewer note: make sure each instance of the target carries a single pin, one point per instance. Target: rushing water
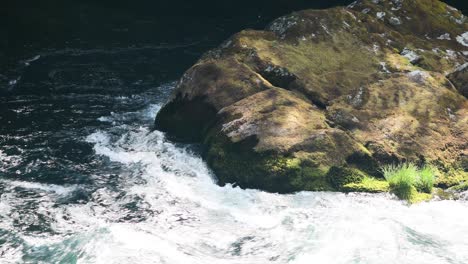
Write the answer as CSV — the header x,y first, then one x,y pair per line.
x,y
122,193
85,179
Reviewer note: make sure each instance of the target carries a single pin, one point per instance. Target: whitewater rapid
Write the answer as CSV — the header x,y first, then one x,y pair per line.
x,y
162,205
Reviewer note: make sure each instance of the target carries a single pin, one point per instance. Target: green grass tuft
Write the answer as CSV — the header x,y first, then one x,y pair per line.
x,y
426,179
401,179
408,182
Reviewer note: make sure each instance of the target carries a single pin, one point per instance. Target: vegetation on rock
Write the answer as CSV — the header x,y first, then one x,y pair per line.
x,y
341,176
426,179
322,98
368,184
402,179
408,182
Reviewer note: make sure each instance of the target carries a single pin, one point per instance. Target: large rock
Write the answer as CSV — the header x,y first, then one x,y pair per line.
x,y
353,87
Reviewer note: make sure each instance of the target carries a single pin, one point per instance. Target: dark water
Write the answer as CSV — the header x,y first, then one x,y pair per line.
x,y
83,179
29,28
67,63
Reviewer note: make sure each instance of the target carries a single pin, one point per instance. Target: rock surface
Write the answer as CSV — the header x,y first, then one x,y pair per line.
x,y
321,91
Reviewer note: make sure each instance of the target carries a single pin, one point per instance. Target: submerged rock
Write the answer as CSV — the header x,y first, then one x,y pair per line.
x,y
277,109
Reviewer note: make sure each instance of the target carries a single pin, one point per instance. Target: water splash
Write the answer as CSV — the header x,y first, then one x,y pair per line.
x,y
159,203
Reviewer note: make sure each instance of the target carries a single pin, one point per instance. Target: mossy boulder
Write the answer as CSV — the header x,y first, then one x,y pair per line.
x,y
329,92
341,176
237,164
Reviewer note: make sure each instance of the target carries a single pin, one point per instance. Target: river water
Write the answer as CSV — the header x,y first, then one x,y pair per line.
x,y
85,179
114,191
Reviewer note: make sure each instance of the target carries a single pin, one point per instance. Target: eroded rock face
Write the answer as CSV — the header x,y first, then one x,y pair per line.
x,y
353,87
459,79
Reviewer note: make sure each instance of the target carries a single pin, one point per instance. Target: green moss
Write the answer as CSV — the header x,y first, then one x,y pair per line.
x,y
314,179
330,69
411,194
417,197
450,178
368,184
460,188
340,176
363,161
435,20
433,62
239,164
282,89
432,17
446,194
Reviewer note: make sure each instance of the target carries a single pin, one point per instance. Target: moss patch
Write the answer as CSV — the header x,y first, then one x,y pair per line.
x,y
451,178
340,176
417,197
237,163
368,184
460,188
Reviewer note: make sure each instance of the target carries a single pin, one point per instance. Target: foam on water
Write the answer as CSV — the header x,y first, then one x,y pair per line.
x,y
8,161
167,208
51,188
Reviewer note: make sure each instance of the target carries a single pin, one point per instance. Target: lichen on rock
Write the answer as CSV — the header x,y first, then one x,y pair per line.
x,y
321,91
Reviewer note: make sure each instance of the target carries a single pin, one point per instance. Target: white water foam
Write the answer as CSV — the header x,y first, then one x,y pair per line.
x,y
201,222
8,161
146,114
51,188
190,219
